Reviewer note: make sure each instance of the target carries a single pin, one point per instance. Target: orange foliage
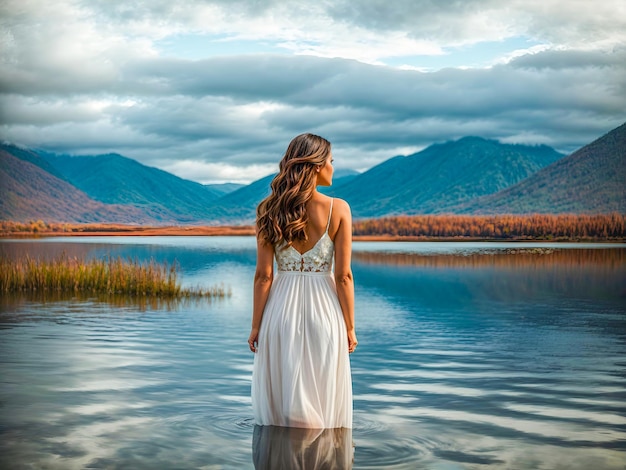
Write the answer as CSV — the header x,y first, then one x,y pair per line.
x,y
40,228
532,227
493,227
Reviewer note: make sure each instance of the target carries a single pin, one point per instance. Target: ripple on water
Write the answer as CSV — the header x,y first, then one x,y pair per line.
x,y
231,423
384,453
234,422
366,426
245,423
378,445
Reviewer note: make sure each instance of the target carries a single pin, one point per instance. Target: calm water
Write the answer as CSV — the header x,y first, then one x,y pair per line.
x,y
490,356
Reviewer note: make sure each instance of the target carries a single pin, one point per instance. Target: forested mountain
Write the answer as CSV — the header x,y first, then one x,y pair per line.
x,y
443,175
33,157
224,188
591,180
30,190
471,176
114,179
241,204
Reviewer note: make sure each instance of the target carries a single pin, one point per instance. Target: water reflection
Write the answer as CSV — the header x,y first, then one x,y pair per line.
x,y
191,254
508,276
506,257
490,357
16,301
275,447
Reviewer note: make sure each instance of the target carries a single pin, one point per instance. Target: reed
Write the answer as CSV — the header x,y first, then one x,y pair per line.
x,y
102,276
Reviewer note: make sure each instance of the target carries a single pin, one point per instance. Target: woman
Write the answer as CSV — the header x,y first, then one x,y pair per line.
x,y
303,317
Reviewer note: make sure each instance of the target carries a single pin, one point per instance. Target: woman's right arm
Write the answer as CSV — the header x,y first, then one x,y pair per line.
x,y
343,269
263,277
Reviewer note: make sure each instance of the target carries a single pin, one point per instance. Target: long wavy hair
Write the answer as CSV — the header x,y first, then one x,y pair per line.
x,y
281,217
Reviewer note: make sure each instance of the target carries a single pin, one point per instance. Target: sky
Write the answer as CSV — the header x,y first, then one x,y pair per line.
x,y
214,90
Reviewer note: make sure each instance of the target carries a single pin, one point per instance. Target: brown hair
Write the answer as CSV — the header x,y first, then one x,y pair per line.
x,y
281,217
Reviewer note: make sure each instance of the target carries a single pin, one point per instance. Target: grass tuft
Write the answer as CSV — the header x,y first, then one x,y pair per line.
x,y
112,276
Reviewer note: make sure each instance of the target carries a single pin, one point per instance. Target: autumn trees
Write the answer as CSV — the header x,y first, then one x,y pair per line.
x,y
536,226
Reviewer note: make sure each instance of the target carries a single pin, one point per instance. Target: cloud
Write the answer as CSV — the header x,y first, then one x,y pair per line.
x,y
94,77
577,23
208,173
377,28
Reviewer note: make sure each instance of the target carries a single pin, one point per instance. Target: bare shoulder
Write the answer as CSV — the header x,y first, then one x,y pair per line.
x,y
341,207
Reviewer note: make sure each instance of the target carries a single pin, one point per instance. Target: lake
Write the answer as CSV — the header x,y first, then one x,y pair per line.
x,y
471,355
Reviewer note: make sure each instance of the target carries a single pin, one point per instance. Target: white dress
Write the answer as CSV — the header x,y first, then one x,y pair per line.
x,y
301,375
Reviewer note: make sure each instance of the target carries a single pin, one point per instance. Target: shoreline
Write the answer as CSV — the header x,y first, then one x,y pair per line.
x,y
138,231
420,228
215,231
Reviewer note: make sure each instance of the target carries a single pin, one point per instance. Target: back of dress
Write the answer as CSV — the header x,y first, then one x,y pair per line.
x,y
318,259
301,375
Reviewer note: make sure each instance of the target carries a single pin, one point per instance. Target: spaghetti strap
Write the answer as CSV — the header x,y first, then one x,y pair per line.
x,y
330,212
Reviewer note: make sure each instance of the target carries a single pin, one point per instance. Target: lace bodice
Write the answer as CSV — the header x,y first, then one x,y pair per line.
x,y
319,259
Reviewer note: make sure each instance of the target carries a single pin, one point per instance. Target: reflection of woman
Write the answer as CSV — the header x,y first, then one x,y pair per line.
x,y
303,318
275,447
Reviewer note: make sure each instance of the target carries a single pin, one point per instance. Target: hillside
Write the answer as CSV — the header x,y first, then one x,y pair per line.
x,y
114,179
29,192
468,176
32,157
241,204
224,188
443,175
591,180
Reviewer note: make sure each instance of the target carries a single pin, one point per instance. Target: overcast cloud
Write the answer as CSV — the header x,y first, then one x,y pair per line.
x,y
214,90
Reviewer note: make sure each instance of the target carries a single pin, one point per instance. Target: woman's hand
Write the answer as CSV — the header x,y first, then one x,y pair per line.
x,y
253,339
352,342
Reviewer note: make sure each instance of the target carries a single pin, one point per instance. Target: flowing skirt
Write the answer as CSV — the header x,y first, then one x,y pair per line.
x,y
301,375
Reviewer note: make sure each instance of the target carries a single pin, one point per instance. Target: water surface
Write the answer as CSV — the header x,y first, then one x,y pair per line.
x,y
482,355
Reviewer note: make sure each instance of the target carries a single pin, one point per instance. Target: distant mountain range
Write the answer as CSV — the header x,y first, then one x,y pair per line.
x,y
114,179
469,176
224,188
31,189
442,176
591,180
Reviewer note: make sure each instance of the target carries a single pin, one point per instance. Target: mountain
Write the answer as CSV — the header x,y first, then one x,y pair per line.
x,y
114,179
471,175
33,157
30,190
591,180
224,188
241,204
440,177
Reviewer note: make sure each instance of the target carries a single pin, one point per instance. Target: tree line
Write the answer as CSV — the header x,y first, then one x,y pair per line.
x,y
529,227
535,226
